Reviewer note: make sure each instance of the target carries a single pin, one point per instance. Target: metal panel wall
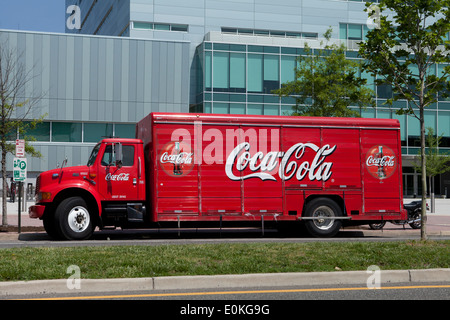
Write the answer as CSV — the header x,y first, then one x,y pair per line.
x,y
93,79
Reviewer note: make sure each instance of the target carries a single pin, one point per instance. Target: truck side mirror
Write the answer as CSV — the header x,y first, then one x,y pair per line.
x,y
118,155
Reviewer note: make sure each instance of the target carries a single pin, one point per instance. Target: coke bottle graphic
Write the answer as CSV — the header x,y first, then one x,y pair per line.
x,y
381,173
177,164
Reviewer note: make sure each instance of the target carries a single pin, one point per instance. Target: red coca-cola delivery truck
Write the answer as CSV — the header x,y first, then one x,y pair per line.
x,y
210,170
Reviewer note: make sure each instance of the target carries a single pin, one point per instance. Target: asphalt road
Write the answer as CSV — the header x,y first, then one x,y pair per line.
x,y
262,299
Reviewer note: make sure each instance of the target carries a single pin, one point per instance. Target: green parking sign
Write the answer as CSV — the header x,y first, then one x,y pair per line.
x,y
20,169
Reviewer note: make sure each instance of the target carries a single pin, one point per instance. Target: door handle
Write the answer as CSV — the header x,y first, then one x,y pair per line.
x,y
134,181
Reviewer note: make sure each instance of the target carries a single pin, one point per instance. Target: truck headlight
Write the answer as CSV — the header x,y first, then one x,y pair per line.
x,y
44,196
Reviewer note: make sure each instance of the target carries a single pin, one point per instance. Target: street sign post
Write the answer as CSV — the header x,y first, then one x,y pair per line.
x,y
20,176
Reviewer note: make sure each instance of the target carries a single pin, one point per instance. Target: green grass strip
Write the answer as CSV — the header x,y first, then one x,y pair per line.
x,y
208,259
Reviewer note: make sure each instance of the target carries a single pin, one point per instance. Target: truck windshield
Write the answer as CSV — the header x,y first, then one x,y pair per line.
x,y
93,156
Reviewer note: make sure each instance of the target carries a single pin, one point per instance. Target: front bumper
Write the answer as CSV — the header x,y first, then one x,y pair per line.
x,y
36,211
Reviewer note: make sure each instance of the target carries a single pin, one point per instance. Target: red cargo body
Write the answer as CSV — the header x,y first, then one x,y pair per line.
x,y
202,168
303,158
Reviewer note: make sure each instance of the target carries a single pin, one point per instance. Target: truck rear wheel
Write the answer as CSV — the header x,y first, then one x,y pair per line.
x,y
323,210
73,219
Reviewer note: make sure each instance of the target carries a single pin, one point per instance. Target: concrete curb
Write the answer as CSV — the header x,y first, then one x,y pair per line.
x,y
221,281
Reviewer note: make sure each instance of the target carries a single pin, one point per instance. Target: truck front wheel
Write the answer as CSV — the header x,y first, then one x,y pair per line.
x,y
73,219
320,217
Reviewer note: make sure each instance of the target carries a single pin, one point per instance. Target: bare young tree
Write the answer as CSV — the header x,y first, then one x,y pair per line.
x,y
15,109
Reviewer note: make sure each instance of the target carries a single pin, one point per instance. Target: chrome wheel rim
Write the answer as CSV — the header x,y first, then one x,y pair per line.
x,y
79,219
321,214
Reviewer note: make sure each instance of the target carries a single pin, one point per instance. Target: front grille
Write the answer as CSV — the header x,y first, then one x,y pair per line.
x,y
38,182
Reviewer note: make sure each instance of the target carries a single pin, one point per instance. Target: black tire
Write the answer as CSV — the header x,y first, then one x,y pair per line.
x,y
74,220
417,216
50,226
377,226
323,207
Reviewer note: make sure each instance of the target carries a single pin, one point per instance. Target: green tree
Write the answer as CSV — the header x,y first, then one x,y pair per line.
x,y
15,109
403,51
436,163
327,83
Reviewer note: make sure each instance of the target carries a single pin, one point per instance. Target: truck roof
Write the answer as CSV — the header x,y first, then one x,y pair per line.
x,y
121,140
274,120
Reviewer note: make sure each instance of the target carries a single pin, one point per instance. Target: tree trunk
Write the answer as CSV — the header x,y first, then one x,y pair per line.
x,y
423,229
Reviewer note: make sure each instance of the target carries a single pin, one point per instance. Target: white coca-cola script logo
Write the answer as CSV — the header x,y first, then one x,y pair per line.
x,y
385,161
381,162
117,177
182,158
318,169
177,159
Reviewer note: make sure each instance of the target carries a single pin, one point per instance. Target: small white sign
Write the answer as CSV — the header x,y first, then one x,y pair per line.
x,y
20,148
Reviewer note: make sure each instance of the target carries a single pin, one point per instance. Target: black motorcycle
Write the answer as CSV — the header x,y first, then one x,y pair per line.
x,y
414,218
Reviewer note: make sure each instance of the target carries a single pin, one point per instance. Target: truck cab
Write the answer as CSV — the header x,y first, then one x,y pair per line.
x,y
108,191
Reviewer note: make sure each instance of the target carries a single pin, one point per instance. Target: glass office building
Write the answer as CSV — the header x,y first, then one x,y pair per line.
x,y
236,53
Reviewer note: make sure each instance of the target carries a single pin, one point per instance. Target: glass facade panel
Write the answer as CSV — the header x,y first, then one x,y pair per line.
x,y
343,31
40,133
237,72
271,73
237,108
355,32
430,120
271,109
220,70
287,68
208,70
255,73
66,132
94,132
256,109
125,131
444,124
244,77
413,127
220,107
402,120
161,26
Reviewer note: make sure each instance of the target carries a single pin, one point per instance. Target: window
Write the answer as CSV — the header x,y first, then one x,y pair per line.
x,y
41,132
237,72
220,70
271,33
127,156
143,25
160,26
352,31
255,73
125,130
66,132
93,155
271,73
179,27
287,68
94,132
355,32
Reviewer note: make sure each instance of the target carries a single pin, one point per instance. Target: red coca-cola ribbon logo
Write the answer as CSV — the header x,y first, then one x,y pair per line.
x,y
176,159
381,162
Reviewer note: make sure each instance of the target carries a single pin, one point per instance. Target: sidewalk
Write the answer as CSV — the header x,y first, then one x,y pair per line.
x,y
438,222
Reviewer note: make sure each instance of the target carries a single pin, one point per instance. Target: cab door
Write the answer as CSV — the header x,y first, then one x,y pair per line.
x,y
119,181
